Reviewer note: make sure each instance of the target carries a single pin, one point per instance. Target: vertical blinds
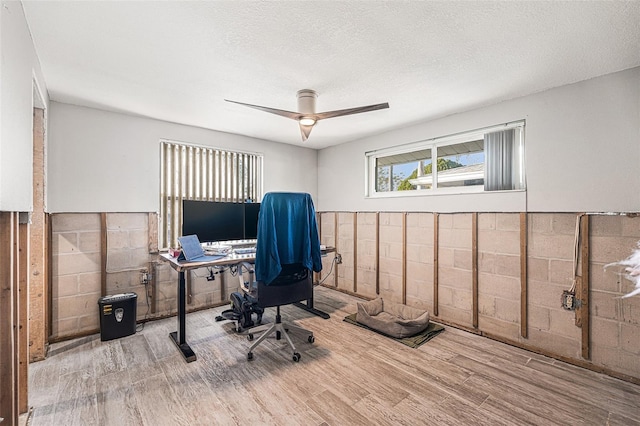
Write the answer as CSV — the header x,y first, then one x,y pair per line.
x,y
200,173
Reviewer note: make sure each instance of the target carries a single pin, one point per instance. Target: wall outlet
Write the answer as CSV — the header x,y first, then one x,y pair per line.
x,y
338,258
145,277
568,300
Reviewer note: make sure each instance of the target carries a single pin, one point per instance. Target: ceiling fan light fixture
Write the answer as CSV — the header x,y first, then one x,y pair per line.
x,y
307,121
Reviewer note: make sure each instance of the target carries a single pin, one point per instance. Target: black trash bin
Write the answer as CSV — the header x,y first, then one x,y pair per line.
x,y
117,315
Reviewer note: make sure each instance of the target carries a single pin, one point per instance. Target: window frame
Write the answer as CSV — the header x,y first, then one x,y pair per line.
x,y
433,144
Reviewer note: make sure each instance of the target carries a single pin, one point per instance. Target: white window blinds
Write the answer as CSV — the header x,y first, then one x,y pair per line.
x,y
199,173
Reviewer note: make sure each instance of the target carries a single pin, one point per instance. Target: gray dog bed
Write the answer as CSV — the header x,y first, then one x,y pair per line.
x,y
391,318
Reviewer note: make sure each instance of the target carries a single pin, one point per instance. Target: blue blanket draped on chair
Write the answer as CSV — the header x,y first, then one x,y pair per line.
x,y
287,234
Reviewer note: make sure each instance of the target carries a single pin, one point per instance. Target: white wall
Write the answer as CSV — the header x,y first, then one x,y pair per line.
x,y
582,144
101,161
19,69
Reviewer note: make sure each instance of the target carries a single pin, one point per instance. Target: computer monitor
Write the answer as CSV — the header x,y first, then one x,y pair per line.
x,y
220,221
213,220
251,212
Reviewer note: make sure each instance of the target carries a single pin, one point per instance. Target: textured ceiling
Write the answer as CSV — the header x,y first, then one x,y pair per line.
x,y
177,61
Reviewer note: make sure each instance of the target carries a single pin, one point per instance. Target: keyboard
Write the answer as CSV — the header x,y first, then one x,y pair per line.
x,y
244,250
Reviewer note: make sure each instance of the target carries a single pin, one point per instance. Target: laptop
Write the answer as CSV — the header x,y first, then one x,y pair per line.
x,y
192,250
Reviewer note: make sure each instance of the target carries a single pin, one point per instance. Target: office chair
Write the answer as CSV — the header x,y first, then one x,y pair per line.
x,y
287,250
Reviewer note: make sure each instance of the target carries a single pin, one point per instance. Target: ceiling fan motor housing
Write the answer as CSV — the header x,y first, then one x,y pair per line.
x,y
307,101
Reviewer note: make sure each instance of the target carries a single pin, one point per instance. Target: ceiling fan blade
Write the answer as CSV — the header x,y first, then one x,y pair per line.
x,y
349,111
306,131
281,112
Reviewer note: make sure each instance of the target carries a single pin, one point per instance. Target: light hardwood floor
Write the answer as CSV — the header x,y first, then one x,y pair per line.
x,y
349,376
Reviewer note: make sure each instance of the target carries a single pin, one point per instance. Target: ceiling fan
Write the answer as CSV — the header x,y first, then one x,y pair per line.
x,y
307,116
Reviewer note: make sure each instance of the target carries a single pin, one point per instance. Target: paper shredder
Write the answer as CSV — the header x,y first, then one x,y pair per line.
x,y
117,315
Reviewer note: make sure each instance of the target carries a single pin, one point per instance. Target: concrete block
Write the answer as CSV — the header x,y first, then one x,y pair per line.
x,y
544,294
486,221
64,327
462,299
540,223
390,234
64,222
630,226
445,257
562,323
486,262
89,283
66,285
605,332
538,317
615,359
462,259
508,310
79,305
393,219
538,269
486,305
504,242
139,238
555,343
607,280
89,241
457,316
498,327
345,218
498,286
553,246
454,278
462,221
457,238
605,226
630,307
611,249
445,221
89,322
117,239
561,272
77,263
127,221
605,305
629,338
508,265
366,218
563,223
64,242
508,222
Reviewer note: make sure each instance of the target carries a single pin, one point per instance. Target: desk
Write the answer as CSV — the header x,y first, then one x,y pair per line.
x,y
179,337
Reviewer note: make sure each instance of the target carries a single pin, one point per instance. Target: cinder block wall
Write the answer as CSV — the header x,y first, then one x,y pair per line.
x,y
130,249
405,272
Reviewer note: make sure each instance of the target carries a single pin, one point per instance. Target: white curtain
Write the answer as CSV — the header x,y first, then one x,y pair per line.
x,y
499,160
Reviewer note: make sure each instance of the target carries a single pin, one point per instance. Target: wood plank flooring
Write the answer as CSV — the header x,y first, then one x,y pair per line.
x,y
349,376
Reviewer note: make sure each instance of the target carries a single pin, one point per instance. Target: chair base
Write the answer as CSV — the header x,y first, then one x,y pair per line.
x,y
281,329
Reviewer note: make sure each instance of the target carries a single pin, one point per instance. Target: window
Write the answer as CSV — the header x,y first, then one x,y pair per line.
x,y
490,159
189,172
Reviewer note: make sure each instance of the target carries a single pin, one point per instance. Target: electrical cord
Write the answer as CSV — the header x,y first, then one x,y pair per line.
x,y
335,258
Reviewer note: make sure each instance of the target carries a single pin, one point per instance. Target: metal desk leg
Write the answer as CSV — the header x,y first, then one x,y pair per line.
x,y
180,337
309,308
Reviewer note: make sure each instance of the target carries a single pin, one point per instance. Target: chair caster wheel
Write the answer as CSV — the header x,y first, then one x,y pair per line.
x,y
249,356
219,318
250,336
311,339
296,357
